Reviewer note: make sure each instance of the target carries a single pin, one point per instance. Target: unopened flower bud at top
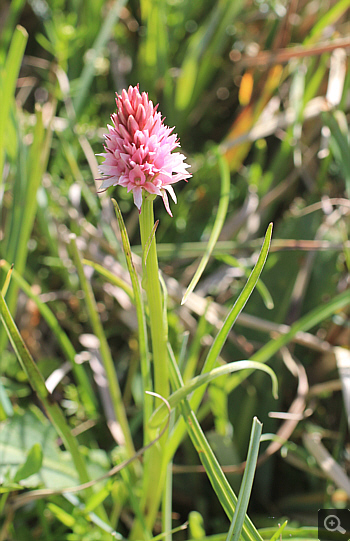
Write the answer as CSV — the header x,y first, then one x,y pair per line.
x,y
138,150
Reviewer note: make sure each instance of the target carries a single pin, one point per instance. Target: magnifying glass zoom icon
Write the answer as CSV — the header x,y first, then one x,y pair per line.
x,y
332,524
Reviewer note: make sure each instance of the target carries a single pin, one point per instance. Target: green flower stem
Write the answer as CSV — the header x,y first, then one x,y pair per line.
x,y
106,356
151,284
154,472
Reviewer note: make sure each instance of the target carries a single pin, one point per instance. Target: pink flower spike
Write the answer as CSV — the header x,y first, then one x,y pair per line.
x,y
139,150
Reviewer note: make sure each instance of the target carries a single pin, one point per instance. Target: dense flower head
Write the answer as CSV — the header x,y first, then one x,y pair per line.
x,y
139,150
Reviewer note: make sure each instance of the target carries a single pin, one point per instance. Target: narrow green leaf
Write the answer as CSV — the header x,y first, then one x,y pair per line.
x,y
114,388
247,483
7,281
260,286
66,518
96,499
221,337
278,534
218,224
32,464
327,20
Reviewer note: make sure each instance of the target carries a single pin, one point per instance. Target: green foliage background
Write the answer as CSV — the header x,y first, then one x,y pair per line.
x,y
265,82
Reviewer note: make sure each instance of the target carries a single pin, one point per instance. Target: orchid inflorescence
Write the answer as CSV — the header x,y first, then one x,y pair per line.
x,y
139,150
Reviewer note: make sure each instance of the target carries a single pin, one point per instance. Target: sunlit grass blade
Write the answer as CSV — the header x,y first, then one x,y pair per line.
x,y
140,313
278,533
212,467
326,20
218,224
7,280
106,356
247,483
303,533
8,78
221,337
84,386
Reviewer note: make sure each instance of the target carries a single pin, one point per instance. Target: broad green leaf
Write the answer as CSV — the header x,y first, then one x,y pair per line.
x,y
23,433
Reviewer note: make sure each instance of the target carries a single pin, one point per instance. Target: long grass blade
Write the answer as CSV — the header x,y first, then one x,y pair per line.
x,y
247,483
218,224
221,337
106,356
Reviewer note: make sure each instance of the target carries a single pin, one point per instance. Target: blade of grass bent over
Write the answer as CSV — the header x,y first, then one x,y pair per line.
x,y
175,398
218,224
221,337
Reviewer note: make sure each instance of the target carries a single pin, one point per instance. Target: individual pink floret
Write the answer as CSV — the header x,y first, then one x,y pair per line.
x,y
139,150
